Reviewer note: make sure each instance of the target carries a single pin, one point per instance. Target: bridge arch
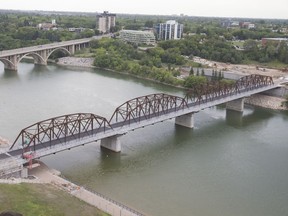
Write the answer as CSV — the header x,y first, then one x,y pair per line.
x,y
146,107
38,59
62,49
59,129
7,63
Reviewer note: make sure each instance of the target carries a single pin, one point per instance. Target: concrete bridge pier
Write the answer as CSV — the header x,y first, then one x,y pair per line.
x,y
236,105
185,120
10,63
10,67
112,143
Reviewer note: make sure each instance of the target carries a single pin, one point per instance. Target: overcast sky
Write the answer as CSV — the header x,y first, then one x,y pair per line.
x,y
214,8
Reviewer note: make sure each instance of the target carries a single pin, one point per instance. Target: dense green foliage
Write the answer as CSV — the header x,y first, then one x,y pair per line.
x,y
218,49
209,39
204,37
20,29
120,56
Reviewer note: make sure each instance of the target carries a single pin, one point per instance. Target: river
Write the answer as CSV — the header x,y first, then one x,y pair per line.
x,y
229,164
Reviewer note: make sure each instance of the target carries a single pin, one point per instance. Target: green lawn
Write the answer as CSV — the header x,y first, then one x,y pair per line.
x,y
43,200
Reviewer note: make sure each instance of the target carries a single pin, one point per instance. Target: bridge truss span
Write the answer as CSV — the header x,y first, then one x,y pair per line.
x,y
68,131
146,107
62,129
253,81
215,90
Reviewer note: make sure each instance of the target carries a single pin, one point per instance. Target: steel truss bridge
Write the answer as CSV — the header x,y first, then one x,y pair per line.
x,y
68,131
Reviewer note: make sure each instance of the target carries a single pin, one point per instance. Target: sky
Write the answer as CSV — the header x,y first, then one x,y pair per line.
x,y
276,9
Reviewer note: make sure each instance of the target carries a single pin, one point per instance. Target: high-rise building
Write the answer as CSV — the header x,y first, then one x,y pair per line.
x,y
171,30
105,22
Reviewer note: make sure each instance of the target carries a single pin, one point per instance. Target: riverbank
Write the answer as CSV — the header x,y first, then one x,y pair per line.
x,y
76,62
264,101
41,174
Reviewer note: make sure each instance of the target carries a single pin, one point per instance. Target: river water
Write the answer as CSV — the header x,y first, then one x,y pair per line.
x,y
227,165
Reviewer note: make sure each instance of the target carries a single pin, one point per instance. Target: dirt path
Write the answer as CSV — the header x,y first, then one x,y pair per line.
x,y
240,69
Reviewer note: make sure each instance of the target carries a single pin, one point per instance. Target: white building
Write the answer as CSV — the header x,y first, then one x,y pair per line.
x,y
138,37
171,30
106,21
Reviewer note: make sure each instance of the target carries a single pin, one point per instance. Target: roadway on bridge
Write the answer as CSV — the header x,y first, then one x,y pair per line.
x,y
123,127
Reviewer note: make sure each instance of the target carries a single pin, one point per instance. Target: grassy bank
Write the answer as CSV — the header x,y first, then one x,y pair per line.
x,y
43,200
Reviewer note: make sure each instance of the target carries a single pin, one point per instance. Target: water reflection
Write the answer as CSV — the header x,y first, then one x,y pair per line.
x,y
227,165
248,117
8,74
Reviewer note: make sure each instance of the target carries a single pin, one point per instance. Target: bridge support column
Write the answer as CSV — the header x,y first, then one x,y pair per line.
x,y
185,120
112,143
24,172
236,105
10,67
11,63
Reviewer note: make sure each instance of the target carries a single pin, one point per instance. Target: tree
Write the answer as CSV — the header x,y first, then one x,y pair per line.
x,y
149,24
250,45
202,72
194,81
102,59
283,52
191,73
197,72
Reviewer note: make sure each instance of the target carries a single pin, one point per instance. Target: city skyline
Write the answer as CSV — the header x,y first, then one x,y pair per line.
x,y
206,8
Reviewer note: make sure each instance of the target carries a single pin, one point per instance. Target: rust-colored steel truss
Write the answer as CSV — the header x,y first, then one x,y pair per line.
x,y
253,81
146,107
60,129
66,128
218,89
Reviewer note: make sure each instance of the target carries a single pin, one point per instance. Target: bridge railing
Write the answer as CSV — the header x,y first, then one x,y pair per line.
x,y
63,129
146,107
60,129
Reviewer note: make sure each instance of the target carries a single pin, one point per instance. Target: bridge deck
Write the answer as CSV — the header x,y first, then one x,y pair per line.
x,y
54,146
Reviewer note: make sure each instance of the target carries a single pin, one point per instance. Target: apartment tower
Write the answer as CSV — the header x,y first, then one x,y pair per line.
x,y
105,22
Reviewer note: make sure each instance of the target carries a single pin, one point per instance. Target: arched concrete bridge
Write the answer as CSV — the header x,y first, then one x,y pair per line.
x,y
41,53
68,131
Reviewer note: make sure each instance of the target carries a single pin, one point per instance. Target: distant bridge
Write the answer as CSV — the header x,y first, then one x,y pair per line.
x,y
41,53
68,131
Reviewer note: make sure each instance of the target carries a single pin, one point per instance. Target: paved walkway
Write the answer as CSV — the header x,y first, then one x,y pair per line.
x,y
45,175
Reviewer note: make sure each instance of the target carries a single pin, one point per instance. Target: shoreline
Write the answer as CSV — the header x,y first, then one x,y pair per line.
x,y
259,100
40,173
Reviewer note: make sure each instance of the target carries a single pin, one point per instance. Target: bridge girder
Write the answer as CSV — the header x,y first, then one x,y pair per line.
x,y
59,129
254,80
146,107
217,89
